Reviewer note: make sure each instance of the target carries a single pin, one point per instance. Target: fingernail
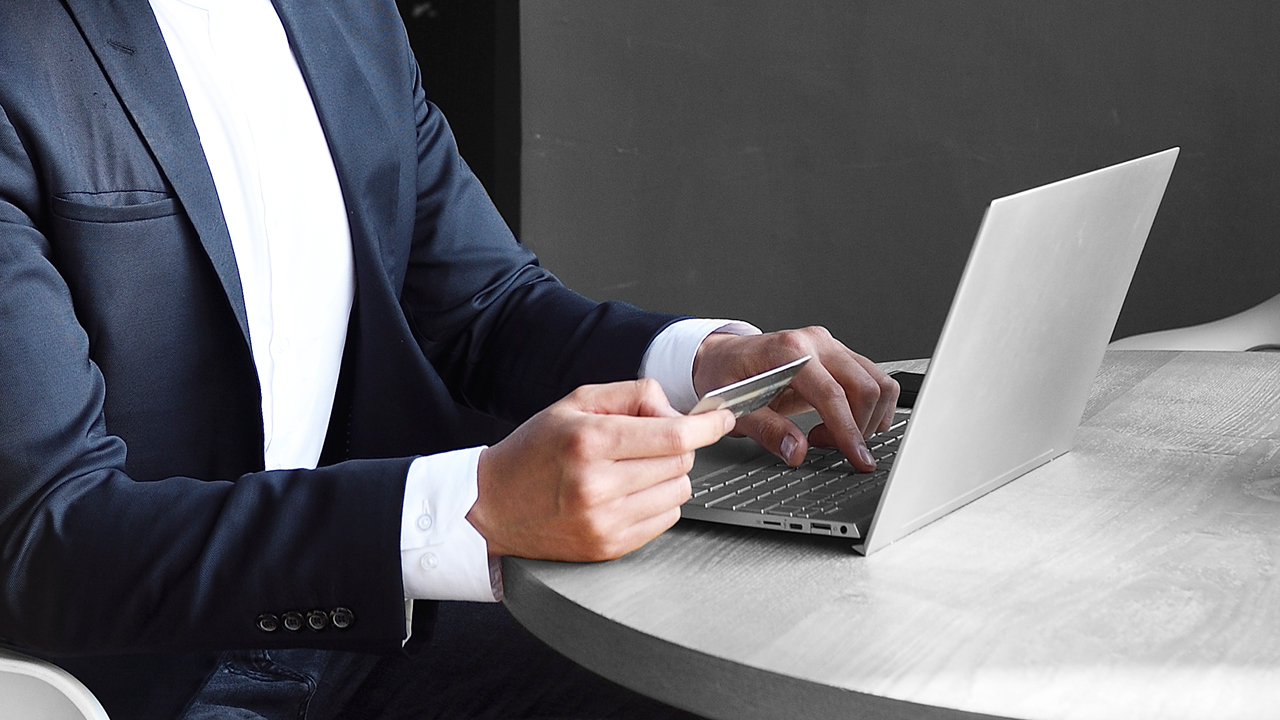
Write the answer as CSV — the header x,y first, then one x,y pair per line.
x,y
789,444
729,422
865,454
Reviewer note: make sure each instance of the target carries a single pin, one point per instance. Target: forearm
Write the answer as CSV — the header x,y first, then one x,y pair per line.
x,y
503,332
98,562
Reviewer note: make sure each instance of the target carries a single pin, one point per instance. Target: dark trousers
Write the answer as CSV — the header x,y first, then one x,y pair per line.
x,y
479,665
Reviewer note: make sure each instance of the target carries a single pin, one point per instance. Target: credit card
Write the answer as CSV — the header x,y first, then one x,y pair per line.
x,y
751,394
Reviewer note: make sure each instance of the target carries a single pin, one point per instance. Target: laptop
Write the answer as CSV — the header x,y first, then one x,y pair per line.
x,y
1006,385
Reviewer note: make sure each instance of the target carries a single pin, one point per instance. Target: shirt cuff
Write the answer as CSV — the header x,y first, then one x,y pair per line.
x,y
442,557
669,359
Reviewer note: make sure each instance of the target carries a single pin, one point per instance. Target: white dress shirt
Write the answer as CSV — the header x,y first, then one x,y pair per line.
x,y
286,216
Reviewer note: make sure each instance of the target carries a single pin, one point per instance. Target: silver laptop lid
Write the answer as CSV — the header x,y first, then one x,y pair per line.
x,y
1025,336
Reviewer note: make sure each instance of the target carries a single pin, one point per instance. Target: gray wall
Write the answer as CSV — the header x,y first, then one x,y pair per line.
x,y
828,161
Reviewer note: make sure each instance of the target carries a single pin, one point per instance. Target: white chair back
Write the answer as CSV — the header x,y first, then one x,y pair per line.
x,y
1257,328
33,689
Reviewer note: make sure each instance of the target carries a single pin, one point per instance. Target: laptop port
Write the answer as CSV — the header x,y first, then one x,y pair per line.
x,y
820,528
774,523
797,526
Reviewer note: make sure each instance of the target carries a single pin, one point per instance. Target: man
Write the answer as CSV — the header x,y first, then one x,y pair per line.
x,y
244,279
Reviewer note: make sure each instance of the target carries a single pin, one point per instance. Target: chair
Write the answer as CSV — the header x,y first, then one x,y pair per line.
x,y
33,689
1257,328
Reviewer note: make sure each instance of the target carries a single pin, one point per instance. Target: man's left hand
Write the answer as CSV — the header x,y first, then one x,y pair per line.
x,y
853,397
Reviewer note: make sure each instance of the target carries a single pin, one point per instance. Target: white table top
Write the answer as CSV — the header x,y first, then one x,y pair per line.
x,y
1134,577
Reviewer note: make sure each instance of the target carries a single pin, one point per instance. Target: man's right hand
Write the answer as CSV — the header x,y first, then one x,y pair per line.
x,y
593,477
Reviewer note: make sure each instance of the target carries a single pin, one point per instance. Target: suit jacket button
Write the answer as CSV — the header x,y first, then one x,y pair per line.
x,y
342,618
293,621
317,620
268,622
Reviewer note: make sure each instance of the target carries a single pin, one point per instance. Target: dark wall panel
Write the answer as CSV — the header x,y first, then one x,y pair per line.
x,y
828,161
469,52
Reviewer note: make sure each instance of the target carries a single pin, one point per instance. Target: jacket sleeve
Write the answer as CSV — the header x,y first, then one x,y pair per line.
x,y
95,561
505,334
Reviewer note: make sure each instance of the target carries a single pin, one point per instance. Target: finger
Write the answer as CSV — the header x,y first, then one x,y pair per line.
x,y
624,478
835,402
636,536
776,433
623,437
886,394
639,398
653,400
821,436
789,402
652,511
650,528
889,392
628,522
656,499
860,379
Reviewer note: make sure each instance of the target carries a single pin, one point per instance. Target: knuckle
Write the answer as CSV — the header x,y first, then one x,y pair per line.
x,y
663,522
594,531
676,437
774,434
598,540
888,386
795,340
683,437
682,490
595,554
830,391
686,464
609,551
650,387
672,469
867,386
762,428
580,496
583,443
818,332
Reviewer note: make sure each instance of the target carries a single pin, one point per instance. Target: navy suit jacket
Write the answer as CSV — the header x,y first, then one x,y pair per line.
x,y
135,515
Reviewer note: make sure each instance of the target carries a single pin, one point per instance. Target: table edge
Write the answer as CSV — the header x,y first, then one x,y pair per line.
x,y
678,675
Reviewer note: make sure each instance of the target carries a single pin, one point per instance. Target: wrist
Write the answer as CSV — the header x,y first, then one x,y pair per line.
x,y
704,381
478,515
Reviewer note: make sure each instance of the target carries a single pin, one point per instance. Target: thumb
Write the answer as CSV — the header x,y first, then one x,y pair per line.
x,y
775,433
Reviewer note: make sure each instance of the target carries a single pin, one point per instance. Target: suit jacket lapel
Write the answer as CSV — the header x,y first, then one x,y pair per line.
x,y
368,170
125,38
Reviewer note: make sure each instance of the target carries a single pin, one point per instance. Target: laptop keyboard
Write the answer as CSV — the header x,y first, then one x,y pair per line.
x,y
825,485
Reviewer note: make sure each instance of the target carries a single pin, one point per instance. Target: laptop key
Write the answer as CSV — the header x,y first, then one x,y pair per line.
x,y
711,498
754,506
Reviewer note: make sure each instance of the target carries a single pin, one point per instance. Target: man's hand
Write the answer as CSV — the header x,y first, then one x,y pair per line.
x,y
853,397
592,477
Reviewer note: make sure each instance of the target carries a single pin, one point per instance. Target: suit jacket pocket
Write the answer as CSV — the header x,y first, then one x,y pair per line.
x,y
115,206
180,382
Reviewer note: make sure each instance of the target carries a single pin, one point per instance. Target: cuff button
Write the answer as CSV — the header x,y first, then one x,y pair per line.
x,y
268,622
317,620
342,618
292,621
